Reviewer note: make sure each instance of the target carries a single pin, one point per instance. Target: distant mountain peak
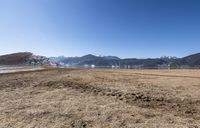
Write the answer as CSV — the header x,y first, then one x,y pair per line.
x,y
89,57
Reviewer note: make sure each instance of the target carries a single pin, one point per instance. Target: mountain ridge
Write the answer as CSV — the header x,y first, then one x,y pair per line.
x,y
28,58
23,58
191,61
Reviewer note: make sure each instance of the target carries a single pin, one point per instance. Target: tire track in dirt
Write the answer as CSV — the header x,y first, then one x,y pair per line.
x,y
182,108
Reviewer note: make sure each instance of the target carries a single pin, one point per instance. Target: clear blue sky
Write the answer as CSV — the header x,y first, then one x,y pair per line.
x,y
125,28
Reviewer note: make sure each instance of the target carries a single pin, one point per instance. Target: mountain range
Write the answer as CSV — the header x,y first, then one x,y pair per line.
x,y
27,58
191,61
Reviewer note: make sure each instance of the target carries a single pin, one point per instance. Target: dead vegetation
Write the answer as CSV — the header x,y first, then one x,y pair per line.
x,y
62,98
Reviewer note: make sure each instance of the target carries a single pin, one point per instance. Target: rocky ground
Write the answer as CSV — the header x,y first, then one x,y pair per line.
x,y
100,98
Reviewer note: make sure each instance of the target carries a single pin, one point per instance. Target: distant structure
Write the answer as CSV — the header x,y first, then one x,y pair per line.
x,y
113,66
169,66
92,66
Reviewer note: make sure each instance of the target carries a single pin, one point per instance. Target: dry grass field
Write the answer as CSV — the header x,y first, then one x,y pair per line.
x,y
100,98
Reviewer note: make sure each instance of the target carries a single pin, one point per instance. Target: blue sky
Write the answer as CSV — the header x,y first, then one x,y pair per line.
x,y
124,28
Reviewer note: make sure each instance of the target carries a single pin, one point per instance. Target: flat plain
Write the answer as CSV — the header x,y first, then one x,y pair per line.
x,y
100,98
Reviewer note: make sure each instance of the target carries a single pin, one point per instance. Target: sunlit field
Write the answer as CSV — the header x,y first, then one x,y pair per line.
x,y
75,98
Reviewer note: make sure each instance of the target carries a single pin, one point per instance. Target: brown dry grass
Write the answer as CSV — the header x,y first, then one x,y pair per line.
x,y
100,98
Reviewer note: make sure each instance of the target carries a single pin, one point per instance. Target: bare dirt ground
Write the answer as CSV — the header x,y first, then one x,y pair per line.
x,y
100,98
